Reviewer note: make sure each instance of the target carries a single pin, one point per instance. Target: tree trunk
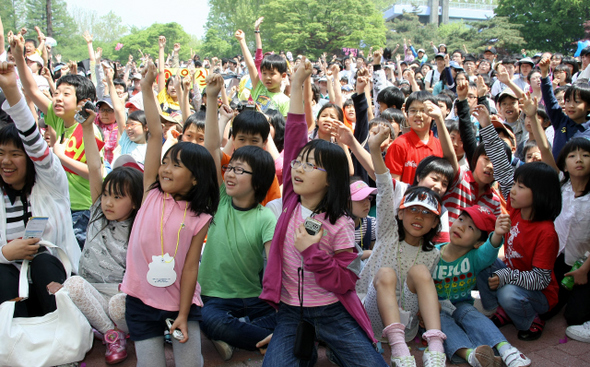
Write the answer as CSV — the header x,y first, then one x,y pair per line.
x,y
49,19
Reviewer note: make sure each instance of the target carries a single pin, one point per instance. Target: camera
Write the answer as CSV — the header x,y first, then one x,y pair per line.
x,y
81,116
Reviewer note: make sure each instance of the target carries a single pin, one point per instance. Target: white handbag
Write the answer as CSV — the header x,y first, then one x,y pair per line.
x,y
60,337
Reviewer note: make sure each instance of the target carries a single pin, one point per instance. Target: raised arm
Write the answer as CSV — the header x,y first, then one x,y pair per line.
x,y
118,105
308,98
152,115
212,138
2,40
503,170
252,71
17,43
92,155
504,78
161,67
465,126
435,113
530,104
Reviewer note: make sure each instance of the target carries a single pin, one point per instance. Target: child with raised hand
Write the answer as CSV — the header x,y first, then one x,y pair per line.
x,y
266,86
181,194
408,150
233,315
572,227
322,264
102,265
476,237
573,119
396,283
469,187
60,114
523,286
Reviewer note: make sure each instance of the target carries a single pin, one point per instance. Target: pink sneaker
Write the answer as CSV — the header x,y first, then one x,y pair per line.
x,y
116,342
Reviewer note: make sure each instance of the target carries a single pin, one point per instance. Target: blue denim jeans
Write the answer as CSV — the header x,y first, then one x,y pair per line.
x,y
348,342
240,322
80,219
467,328
521,305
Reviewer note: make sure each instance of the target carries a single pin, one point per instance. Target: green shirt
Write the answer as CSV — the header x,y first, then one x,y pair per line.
x,y
454,280
80,197
233,256
269,100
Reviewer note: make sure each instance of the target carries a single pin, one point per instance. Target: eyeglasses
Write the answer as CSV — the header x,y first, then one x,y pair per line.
x,y
307,167
237,170
132,123
413,112
106,110
425,212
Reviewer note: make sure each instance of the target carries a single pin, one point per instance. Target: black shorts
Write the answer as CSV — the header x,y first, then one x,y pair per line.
x,y
146,322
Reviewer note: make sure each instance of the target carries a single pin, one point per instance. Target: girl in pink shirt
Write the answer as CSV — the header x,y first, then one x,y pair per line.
x,y
181,195
311,278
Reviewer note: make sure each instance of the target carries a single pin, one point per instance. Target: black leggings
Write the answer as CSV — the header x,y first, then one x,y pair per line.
x,y
44,269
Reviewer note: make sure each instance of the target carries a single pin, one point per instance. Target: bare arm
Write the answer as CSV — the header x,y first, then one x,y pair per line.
x,y
434,112
308,98
118,105
2,40
257,33
212,138
154,148
505,78
161,62
92,156
17,43
530,109
248,58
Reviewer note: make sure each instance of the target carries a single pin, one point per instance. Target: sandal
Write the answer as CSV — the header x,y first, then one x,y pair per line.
x,y
500,318
534,332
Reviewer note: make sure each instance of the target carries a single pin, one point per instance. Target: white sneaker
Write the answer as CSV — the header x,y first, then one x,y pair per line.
x,y
225,350
514,358
433,359
579,332
407,361
483,356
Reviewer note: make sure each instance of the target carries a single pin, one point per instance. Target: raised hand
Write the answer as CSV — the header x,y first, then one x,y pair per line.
x,y
214,84
258,23
377,55
302,72
482,115
462,90
87,37
544,66
7,75
239,35
376,140
529,104
161,41
176,48
17,44
433,111
482,88
502,224
503,75
150,73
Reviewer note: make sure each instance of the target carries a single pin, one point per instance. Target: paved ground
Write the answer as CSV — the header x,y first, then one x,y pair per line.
x,y
550,350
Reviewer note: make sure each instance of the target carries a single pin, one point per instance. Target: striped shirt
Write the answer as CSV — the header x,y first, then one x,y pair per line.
x,y
17,216
336,237
463,193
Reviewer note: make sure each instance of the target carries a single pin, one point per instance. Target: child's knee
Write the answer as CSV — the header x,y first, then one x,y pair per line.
x,y
419,273
385,277
117,307
510,296
75,286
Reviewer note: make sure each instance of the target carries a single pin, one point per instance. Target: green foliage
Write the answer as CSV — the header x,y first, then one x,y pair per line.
x,y
146,40
549,25
311,27
475,36
106,28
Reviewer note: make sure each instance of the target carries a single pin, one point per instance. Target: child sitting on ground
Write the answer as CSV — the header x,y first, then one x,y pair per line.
x,y
476,237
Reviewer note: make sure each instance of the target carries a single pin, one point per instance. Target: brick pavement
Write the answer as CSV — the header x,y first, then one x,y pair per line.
x,y
549,350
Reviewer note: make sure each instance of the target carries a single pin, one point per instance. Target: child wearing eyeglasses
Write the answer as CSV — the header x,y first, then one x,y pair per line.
x,y
242,229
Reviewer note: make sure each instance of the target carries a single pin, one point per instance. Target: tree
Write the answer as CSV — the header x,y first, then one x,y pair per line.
x,y
407,26
106,28
311,27
146,40
225,18
547,24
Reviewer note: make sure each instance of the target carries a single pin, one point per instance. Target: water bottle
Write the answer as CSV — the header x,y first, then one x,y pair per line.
x,y
568,282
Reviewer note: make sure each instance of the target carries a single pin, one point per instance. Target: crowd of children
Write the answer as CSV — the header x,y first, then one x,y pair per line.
x,y
402,195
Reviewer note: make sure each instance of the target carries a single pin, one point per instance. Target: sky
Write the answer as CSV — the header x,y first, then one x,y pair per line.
x,y
191,14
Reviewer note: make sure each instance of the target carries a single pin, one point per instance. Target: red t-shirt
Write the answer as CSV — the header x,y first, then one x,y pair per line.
x,y
406,152
532,244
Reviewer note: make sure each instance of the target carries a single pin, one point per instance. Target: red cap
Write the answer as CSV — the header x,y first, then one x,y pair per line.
x,y
482,217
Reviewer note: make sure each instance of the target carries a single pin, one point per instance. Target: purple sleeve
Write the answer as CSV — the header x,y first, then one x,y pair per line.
x,y
258,59
331,272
